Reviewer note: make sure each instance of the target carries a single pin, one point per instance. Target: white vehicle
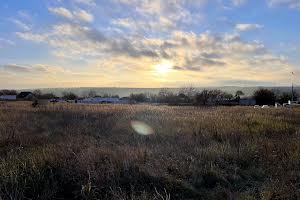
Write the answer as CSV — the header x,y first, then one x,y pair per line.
x,y
265,106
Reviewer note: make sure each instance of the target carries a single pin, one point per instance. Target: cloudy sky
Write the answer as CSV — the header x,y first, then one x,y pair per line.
x,y
148,43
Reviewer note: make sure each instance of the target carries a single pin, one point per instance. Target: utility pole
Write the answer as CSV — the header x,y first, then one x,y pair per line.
x,y
292,86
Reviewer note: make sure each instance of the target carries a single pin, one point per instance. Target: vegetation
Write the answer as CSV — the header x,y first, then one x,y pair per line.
x,y
69,96
8,92
39,95
264,97
68,151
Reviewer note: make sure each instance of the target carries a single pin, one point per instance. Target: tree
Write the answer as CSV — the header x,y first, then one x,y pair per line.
x,y
37,93
227,95
48,96
188,93
202,97
285,97
165,96
69,96
138,97
8,92
92,93
238,94
264,97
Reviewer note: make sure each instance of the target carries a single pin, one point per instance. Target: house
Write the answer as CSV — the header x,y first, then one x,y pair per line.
x,y
25,96
8,97
247,101
228,102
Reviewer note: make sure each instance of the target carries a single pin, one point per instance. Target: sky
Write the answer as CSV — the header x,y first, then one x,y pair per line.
x,y
149,43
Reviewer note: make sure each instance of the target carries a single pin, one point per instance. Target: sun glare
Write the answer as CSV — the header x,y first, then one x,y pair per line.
x,y
164,67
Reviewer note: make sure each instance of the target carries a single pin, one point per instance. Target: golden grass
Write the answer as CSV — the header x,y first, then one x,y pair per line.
x,y
66,151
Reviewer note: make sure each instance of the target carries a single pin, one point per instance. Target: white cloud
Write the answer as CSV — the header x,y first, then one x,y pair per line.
x,y
32,37
166,14
21,25
62,12
294,4
247,27
83,15
223,56
152,33
79,15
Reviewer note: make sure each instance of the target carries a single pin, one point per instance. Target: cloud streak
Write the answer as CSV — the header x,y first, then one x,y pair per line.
x,y
79,15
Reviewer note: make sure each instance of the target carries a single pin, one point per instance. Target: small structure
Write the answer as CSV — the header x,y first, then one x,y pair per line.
x,y
25,96
8,97
247,101
277,105
228,102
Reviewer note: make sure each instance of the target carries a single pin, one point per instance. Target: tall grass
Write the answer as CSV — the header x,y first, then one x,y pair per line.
x,y
66,151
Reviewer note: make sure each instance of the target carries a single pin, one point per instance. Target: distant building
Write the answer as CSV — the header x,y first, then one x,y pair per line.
x,y
228,102
247,101
25,96
8,97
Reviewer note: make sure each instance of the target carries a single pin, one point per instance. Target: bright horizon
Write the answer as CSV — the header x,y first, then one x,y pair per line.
x,y
149,44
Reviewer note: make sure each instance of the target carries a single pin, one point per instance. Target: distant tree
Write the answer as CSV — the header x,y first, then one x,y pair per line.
x,y
211,96
182,98
202,97
285,97
138,97
188,93
69,96
227,95
92,93
37,93
8,92
264,97
115,96
165,96
48,96
110,96
238,94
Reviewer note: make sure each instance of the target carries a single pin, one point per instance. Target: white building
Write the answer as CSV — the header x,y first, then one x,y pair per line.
x,y
8,97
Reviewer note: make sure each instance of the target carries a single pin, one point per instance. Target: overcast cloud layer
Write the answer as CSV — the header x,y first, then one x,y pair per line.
x,y
148,43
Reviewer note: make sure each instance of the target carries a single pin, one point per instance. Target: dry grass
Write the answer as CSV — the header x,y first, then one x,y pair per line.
x,y
90,152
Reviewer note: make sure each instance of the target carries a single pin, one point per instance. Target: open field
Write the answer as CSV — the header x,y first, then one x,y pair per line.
x,y
67,151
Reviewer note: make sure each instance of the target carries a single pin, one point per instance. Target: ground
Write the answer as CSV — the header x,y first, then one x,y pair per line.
x,y
67,151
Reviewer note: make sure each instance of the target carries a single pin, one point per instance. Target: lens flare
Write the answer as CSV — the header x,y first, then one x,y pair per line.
x,y
142,128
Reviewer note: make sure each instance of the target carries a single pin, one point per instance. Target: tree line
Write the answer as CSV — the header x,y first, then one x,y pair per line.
x,y
213,97
187,95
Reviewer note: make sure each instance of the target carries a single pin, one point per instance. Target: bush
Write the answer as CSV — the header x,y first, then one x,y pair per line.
x,y
264,97
69,96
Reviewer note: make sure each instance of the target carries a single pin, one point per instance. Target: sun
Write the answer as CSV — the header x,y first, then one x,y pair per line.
x,y
164,67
